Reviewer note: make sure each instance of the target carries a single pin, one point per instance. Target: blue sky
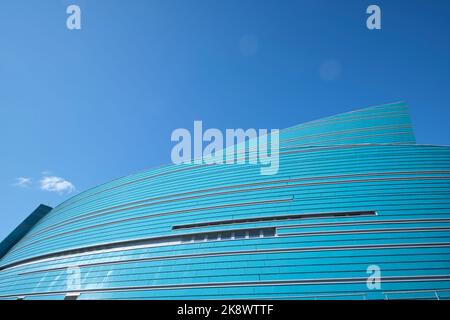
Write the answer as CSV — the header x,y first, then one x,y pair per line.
x,y
95,104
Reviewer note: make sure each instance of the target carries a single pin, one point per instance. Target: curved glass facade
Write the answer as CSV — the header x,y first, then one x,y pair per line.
x,y
353,191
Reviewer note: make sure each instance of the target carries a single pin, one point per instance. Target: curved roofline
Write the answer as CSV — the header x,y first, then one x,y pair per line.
x,y
163,166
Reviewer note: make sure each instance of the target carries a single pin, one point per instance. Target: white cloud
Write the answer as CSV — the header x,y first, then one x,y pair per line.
x,y
22,182
56,184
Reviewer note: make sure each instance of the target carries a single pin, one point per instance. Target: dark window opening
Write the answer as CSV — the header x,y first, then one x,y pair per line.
x,y
239,234
277,218
268,232
212,236
225,236
199,237
230,235
254,233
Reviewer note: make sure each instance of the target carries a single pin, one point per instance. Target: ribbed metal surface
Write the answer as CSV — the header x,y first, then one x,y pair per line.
x,y
368,195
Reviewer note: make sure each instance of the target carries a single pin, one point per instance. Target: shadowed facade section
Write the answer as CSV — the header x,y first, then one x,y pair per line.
x,y
23,228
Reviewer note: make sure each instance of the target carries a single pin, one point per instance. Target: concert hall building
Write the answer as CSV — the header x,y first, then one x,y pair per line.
x,y
354,193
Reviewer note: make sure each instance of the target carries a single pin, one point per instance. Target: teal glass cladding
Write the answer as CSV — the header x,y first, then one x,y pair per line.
x,y
352,191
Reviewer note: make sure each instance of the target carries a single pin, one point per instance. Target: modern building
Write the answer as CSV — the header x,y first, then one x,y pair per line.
x,y
354,198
